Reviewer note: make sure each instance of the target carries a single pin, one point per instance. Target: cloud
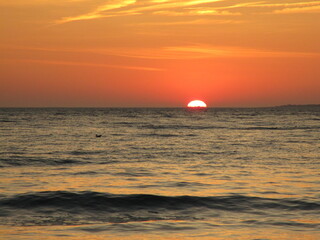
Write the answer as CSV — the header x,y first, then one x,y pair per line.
x,y
296,4
285,8
107,10
37,2
197,12
207,51
173,4
86,64
196,51
98,12
173,8
312,9
201,51
191,22
87,16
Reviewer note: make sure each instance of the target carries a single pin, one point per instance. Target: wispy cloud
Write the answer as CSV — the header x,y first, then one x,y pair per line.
x,y
196,51
37,2
174,8
197,12
285,8
190,22
295,4
311,9
207,51
209,10
107,10
98,12
171,5
87,64
201,51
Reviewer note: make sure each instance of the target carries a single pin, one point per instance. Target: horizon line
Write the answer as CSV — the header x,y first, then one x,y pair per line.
x,y
139,107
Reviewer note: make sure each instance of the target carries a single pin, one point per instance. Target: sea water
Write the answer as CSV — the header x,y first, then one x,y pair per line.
x,y
160,173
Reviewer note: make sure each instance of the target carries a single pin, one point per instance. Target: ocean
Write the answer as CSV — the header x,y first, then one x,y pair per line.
x,y
147,173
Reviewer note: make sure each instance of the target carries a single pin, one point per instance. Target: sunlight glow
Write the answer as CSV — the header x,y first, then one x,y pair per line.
x,y
197,104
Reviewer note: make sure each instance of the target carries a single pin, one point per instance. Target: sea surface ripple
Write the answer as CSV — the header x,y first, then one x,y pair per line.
x,y
139,173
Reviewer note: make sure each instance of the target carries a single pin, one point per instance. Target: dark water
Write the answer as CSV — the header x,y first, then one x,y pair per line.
x,y
160,173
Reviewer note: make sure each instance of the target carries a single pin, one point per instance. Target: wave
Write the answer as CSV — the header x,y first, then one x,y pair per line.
x,y
208,127
31,161
279,128
177,127
106,202
159,135
80,158
5,120
87,152
77,208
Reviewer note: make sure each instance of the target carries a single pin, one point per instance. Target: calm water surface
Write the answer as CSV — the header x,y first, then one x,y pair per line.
x,y
160,173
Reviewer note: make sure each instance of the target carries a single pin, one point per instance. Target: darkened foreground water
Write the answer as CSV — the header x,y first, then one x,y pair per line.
x,y
160,173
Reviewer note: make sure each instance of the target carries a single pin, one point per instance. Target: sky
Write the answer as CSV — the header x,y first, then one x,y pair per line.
x,y
159,53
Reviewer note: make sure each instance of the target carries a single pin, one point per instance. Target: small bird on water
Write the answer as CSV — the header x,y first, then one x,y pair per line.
x,y
98,135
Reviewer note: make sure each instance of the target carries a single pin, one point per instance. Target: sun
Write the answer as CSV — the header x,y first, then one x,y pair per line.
x,y
197,104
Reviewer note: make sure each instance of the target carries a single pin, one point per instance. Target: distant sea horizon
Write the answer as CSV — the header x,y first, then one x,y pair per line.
x,y
175,107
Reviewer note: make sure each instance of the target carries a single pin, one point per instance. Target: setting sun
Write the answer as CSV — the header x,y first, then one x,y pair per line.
x,y
197,104
159,119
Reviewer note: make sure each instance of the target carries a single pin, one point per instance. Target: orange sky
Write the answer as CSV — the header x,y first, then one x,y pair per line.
x,y
159,53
